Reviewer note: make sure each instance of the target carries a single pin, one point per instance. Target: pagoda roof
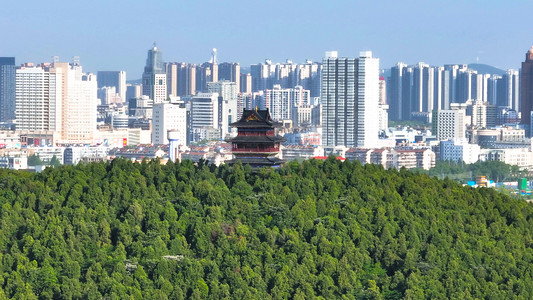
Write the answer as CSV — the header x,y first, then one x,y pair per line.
x,y
257,139
256,118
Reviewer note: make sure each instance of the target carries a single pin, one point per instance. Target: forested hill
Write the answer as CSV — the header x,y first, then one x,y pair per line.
x,y
314,230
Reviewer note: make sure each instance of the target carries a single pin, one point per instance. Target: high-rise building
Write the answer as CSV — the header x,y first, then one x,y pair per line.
x,y
350,98
154,79
526,88
57,99
181,79
133,91
79,104
169,116
38,98
287,75
115,79
231,72
423,88
400,107
450,123
511,89
246,83
280,102
205,73
7,89
172,78
228,92
483,113
205,115
262,75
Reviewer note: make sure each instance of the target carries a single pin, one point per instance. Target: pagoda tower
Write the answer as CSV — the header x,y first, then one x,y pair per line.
x,y
256,143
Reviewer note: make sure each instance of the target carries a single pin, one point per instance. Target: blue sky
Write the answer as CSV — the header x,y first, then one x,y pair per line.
x,y
115,35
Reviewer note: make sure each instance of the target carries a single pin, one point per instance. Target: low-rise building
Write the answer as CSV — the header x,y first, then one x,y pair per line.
x,y
459,150
415,158
521,157
292,152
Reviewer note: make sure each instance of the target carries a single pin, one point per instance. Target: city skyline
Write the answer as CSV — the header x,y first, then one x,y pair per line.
x,y
115,36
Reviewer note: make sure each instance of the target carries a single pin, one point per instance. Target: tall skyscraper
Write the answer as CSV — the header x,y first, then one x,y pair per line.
x,y
350,98
154,79
7,89
115,79
526,88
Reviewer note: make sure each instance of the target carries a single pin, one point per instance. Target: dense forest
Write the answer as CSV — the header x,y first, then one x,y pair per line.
x,y
497,171
311,230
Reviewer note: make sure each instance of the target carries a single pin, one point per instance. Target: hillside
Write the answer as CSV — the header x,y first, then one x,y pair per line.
x,y
486,69
325,229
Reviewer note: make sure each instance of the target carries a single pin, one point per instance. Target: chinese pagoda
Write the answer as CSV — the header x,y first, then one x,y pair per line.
x,y
256,143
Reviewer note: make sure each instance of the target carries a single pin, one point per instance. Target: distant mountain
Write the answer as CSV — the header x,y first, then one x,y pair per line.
x,y
486,69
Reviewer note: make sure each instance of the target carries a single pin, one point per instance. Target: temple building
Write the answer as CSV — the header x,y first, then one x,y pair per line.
x,y
256,143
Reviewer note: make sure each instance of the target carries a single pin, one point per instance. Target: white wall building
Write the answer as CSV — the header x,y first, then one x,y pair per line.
x,y
169,116
79,105
449,124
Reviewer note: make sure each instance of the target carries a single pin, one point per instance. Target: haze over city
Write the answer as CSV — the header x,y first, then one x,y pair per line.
x,y
113,35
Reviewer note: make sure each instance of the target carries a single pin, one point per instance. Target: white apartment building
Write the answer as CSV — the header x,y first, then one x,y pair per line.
x,y
169,116
350,98
57,100
281,102
38,98
205,114
449,124
79,105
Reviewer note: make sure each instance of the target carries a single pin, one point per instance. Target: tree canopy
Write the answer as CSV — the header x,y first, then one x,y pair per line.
x,y
310,230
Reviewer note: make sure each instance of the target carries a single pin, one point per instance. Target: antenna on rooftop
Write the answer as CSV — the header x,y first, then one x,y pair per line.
x,y
76,60
55,59
214,56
